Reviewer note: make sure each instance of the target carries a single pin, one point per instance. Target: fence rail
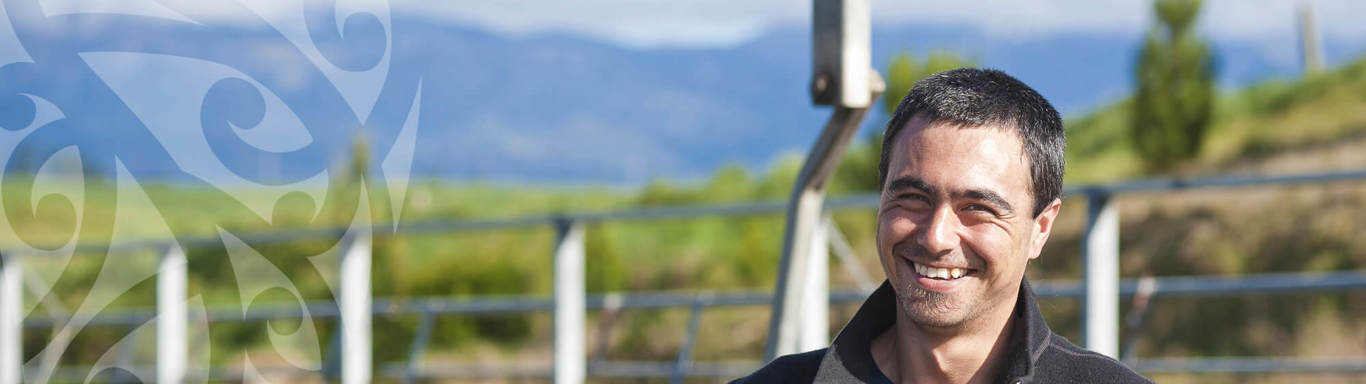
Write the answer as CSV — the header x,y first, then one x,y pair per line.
x,y
1184,286
1100,289
1176,286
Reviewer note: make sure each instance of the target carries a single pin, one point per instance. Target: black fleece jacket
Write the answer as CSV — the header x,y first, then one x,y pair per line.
x,y
1035,354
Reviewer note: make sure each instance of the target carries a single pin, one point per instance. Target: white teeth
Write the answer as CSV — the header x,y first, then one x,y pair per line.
x,y
939,273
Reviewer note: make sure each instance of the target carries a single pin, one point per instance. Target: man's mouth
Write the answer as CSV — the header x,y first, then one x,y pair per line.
x,y
940,273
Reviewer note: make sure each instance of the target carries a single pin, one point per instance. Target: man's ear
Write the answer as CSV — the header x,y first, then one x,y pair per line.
x,y
1043,226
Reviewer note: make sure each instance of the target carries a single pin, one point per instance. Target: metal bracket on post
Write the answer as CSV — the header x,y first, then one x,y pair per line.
x,y
1133,324
1100,244
356,310
848,259
11,319
684,360
570,304
172,315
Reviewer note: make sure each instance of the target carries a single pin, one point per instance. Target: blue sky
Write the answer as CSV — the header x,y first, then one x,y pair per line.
x,y
703,23
721,22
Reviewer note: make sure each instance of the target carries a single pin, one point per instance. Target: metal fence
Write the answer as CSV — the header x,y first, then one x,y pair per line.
x,y
350,360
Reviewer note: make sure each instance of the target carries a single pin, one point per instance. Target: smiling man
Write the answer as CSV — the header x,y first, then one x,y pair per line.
x,y
971,175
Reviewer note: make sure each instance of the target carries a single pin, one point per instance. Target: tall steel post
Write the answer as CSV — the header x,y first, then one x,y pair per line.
x,y
843,77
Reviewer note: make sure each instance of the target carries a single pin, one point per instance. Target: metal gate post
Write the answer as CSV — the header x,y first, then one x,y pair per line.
x,y
11,319
814,324
570,304
1100,244
356,310
172,315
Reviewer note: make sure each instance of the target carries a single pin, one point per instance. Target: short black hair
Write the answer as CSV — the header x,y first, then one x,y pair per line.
x,y
977,97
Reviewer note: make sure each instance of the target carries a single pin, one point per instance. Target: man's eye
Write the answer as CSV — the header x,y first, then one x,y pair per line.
x,y
979,208
913,197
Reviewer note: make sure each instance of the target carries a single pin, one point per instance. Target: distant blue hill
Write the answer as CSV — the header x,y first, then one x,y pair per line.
x,y
556,108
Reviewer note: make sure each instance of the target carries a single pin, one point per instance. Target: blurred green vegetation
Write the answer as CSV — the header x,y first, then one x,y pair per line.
x,y
1308,228
1174,97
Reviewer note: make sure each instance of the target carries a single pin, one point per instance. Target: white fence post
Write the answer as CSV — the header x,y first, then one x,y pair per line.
x,y
11,319
814,324
570,359
1100,243
172,316
356,310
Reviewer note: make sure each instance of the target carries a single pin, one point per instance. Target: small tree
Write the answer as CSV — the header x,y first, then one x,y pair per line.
x,y
1175,97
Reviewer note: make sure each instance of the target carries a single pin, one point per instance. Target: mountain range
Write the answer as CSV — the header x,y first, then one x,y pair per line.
x,y
548,108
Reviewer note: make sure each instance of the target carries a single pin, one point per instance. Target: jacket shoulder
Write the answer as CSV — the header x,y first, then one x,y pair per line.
x,y
1064,362
795,368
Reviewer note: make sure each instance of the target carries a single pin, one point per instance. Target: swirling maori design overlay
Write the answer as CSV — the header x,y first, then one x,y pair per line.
x,y
332,77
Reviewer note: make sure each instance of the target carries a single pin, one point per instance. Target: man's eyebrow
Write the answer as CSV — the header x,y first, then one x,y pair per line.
x,y
989,197
909,182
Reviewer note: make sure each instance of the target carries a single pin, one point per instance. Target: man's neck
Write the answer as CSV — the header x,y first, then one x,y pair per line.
x,y
911,353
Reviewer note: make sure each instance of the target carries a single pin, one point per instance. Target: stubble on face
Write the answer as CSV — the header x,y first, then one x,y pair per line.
x,y
929,308
926,307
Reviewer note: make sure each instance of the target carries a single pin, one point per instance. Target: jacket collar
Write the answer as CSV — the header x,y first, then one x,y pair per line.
x,y
849,361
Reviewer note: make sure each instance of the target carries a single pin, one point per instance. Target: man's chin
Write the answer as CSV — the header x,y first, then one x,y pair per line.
x,y
935,320
931,309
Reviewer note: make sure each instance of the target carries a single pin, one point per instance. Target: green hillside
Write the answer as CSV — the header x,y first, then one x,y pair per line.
x,y
1273,117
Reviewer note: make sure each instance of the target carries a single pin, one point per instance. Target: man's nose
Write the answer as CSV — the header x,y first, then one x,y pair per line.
x,y
940,232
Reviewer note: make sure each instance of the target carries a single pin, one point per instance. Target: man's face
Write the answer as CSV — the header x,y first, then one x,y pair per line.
x,y
955,222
